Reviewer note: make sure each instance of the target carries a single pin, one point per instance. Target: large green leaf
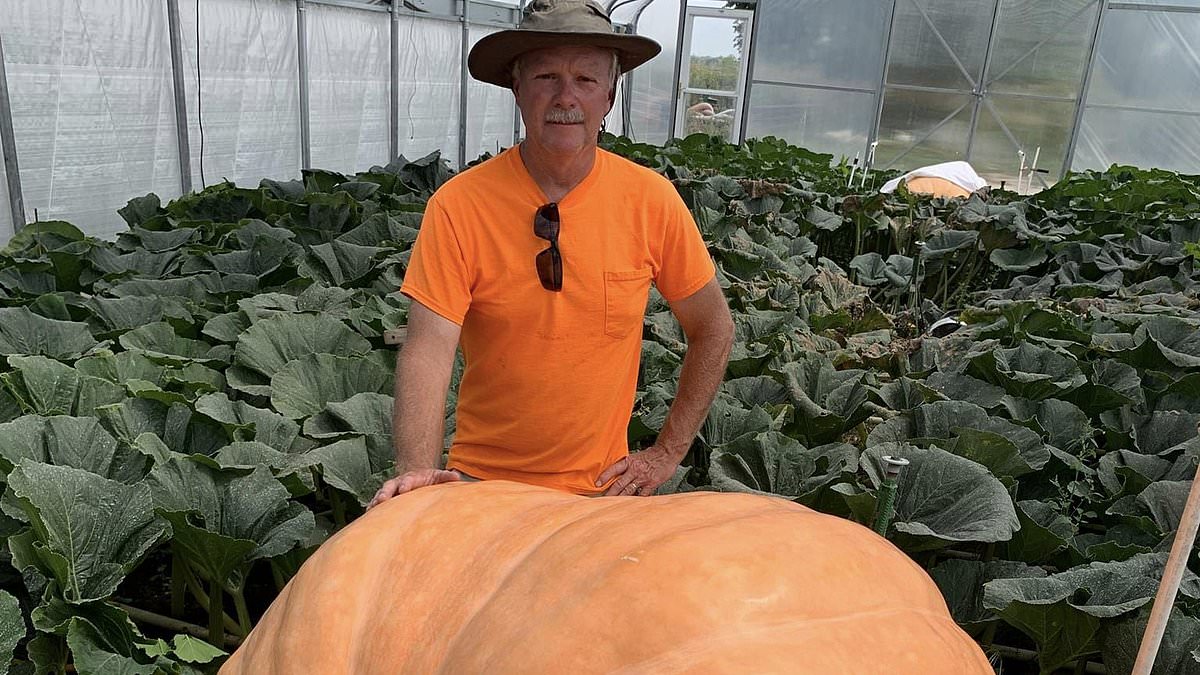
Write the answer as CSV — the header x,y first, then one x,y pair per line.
x,y
368,415
89,531
160,342
943,498
305,386
270,344
961,583
222,520
12,629
1044,532
827,401
46,387
78,442
1007,449
24,333
259,424
1178,653
1063,612
1029,371
771,463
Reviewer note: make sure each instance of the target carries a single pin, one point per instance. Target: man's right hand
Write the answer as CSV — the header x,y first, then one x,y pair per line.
x,y
411,480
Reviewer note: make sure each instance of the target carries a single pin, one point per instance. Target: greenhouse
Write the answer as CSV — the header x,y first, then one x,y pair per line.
x,y
360,337
113,99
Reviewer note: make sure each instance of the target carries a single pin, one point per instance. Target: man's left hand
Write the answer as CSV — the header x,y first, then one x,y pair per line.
x,y
640,473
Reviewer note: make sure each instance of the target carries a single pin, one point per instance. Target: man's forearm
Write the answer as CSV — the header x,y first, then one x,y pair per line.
x,y
419,414
699,379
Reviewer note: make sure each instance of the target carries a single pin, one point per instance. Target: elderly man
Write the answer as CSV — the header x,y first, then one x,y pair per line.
x,y
539,261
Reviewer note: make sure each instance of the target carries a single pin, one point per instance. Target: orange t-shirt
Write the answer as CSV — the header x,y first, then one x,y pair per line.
x,y
550,377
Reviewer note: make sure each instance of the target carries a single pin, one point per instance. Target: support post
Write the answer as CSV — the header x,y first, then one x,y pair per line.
x,y
873,132
463,77
8,145
302,58
676,85
1083,89
181,120
394,98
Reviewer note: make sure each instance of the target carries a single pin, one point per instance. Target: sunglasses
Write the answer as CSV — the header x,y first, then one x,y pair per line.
x,y
549,262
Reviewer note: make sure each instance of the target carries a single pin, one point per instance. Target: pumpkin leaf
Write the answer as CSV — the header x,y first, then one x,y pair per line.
x,y
943,498
89,531
223,520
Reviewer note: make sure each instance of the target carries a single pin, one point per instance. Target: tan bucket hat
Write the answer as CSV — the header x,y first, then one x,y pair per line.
x,y
554,23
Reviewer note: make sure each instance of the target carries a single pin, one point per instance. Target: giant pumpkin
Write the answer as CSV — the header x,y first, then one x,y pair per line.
x,y
497,577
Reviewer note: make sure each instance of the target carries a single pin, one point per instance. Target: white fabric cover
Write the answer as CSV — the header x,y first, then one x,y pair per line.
x,y
93,110
250,102
959,173
490,111
349,75
430,61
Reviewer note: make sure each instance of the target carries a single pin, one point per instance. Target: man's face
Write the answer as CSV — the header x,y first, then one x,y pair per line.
x,y
564,94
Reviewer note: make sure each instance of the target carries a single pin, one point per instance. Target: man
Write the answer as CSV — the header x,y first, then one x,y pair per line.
x,y
540,262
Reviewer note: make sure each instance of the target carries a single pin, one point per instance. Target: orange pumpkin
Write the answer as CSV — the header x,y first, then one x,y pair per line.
x,y
498,577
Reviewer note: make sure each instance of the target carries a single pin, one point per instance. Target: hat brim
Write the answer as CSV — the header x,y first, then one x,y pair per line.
x,y
491,58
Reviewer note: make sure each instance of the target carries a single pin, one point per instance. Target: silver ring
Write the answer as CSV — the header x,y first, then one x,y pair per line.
x,y
635,486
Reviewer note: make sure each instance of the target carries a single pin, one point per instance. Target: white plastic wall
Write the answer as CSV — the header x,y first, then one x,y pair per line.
x,y
245,119
490,111
430,54
349,75
93,113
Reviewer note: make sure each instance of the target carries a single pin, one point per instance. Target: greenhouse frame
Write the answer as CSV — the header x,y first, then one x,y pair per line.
x,y
100,100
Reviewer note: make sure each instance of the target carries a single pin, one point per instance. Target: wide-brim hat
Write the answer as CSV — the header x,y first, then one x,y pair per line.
x,y
556,23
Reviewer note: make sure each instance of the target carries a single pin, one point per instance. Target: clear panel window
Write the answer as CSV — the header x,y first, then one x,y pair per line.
x,y
826,42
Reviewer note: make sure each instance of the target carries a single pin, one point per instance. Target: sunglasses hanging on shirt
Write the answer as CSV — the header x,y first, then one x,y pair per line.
x,y
549,262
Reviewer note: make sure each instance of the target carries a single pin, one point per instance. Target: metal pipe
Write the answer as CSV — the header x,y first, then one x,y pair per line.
x,y
1081,103
8,146
752,47
463,74
181,120
302,58
980,89
394,80
676,85
873,132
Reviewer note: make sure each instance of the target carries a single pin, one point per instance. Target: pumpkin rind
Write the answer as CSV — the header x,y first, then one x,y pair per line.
x,y
500,577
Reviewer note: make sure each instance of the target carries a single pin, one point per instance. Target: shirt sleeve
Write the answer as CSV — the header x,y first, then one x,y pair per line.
x,y
438,274
684,263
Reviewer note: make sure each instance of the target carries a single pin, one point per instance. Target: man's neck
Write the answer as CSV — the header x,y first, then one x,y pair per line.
x,y
557,175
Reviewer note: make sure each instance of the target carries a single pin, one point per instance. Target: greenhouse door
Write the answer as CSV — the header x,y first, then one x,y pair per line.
x,y
712,75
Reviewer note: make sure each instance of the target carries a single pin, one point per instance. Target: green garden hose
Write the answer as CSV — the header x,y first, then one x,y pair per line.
x,y
885,507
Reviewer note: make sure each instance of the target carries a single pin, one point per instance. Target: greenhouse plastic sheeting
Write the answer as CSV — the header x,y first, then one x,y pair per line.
x,y
250,93
93,113
835,43
1141,105
349,73
836,122
490,111
430,62
650,110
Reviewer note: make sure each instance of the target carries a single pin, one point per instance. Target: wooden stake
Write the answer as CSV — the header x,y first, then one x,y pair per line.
x,y
1185,537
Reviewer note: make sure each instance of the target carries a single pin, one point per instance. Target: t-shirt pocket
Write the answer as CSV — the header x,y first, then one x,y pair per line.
x,y
625,297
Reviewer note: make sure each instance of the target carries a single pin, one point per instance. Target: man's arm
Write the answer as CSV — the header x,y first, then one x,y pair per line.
x,y
708,325
423,369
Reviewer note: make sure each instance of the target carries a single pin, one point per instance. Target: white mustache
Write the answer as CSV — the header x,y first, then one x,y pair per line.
x,y
559,116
